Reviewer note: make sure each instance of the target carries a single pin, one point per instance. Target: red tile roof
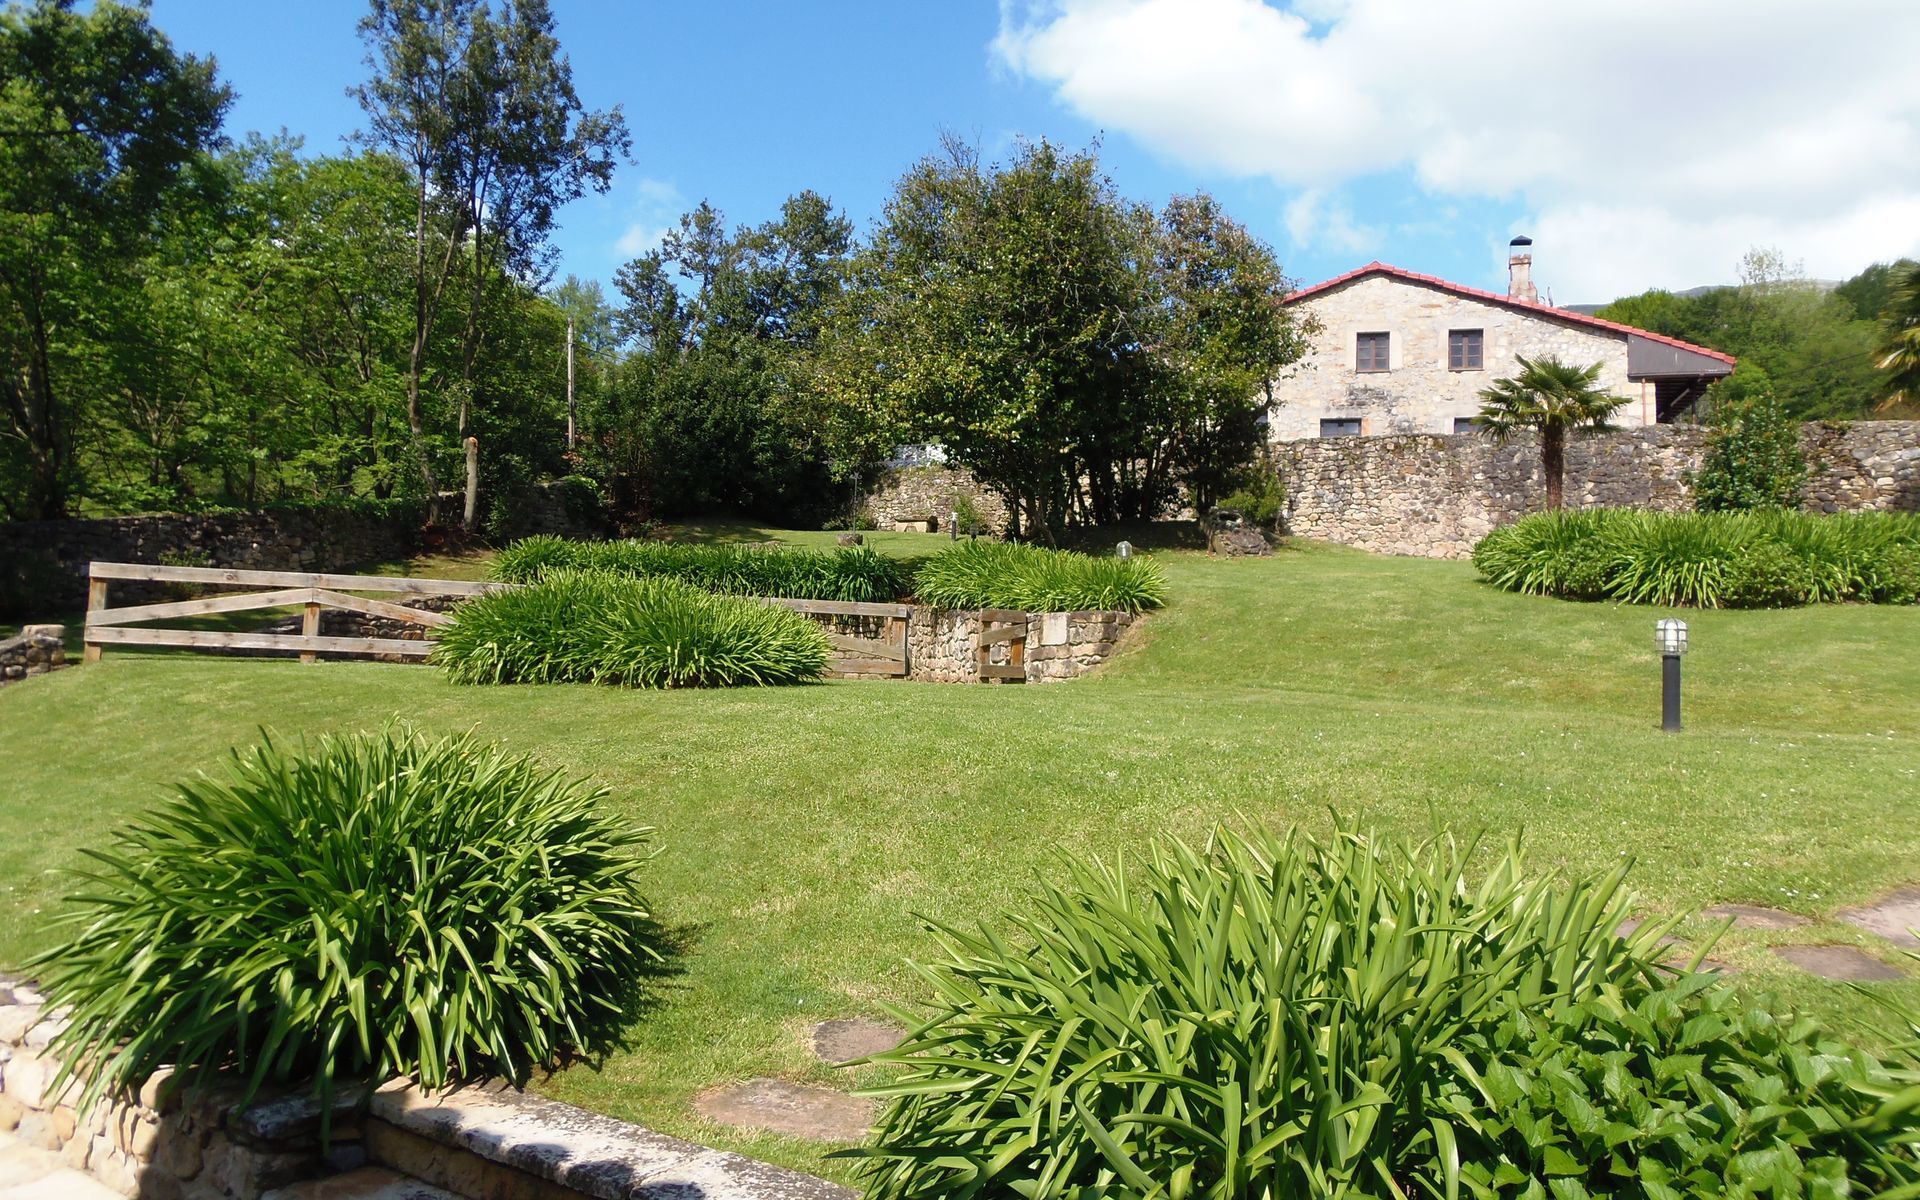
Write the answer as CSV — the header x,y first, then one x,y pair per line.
x,y
1559,314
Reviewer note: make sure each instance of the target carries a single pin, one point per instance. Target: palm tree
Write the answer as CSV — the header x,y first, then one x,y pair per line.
x,y
1899,353
1552,397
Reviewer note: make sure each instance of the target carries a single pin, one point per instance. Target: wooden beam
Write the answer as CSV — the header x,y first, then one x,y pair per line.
x,y
234,577
310,629
384,608
839,608
1014,634
208,639
1002,616
206,605
1005,671
868,666
96,601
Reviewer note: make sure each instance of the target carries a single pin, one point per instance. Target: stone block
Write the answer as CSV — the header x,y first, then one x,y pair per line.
x,y
1053,629
36,1130
27,1077
16,1020
11,1110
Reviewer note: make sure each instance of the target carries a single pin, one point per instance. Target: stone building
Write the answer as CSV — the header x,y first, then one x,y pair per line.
x,y
1400,353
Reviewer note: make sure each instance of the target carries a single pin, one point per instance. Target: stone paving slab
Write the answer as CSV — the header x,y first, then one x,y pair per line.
x,y
367,1183
796,1109
1839,962
845,1040
1753,916
1894,916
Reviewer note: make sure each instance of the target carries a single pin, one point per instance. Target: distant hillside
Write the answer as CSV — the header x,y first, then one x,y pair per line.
x,y
1694,293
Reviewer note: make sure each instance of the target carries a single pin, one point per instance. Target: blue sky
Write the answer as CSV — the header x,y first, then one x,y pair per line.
x,y
1328,129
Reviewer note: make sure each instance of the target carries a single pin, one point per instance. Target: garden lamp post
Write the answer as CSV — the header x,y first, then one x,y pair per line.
x,y
1671,634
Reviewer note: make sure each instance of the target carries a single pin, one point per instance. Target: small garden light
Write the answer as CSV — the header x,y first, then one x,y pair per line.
x,y
1123,550
1671,635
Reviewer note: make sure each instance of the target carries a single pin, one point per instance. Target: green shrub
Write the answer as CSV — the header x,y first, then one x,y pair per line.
x,y
1014,575
1753,458
1707,560
1561,552
1263,501
1279,1018
368,905
854,573
597,626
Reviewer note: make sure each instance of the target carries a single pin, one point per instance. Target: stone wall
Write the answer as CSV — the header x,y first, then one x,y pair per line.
x,y
1435,497
943,645
43,564
929,493
35,651
480,1143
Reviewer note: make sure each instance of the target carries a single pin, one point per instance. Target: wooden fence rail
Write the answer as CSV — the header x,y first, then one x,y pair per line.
x,y
887,654
108,626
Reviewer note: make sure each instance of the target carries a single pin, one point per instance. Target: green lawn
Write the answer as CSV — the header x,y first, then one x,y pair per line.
x,y
805,828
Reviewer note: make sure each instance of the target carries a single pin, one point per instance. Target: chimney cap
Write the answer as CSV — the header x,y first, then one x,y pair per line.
x,y
1522,240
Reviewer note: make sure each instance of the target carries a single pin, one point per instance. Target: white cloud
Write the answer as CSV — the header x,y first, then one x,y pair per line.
x,y
1312,217
655,211
1642,142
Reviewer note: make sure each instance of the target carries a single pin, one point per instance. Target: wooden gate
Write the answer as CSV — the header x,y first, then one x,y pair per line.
x,y
311,592
856,654
1002,627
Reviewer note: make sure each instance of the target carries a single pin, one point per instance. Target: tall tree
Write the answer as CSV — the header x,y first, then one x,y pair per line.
x,y
1553,399
481,107
99,121
1899,348
1081,356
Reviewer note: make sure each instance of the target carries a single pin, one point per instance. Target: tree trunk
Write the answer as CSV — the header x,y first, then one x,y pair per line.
x,y
1553,462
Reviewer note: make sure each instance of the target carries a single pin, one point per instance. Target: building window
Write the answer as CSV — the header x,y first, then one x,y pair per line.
x,y
1340,426
1466,424
1371,354
1466,350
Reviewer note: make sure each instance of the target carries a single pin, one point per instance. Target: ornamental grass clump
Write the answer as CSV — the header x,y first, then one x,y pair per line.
x,y
854,573
359,907
1280,1017
1013,575
1748,559
602,627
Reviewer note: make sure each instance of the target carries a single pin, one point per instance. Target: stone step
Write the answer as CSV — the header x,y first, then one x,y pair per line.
x,y
367,1183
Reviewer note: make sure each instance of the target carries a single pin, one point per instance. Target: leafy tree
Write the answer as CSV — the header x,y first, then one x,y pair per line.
x,y
1223,340
709,411
1812,342
1081,356
100,121
1552,399
1899,347
1753,456
482,110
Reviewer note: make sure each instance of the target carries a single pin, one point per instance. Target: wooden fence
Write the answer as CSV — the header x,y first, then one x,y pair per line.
x,y
1002,627
887,654
108,626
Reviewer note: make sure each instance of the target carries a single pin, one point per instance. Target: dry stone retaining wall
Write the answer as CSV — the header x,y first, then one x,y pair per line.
x,y
943,645
1435,496
35,651
480,1143
930,493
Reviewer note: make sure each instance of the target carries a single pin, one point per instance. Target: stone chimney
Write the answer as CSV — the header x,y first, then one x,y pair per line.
x,y
1520,270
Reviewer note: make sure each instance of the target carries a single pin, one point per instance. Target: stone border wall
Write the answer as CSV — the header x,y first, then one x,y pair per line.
x,y
43,564
929,492
481,1143
35,651
1433,496
942,644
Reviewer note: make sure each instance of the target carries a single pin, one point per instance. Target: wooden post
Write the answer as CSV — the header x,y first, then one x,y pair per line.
x,y
310,627
96,600
473,484
570,410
